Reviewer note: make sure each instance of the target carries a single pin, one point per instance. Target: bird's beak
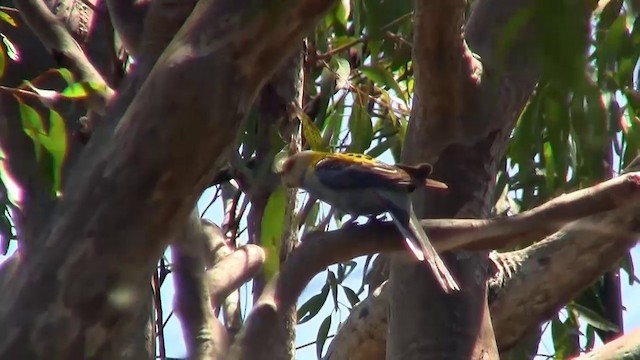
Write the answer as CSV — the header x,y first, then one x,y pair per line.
x,y
278,165
436,184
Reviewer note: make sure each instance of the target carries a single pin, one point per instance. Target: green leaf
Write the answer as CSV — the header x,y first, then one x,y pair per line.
x,y
66,75
12,51
56,144
333,285
312,306
327,83
2,61
351,296
342,11
7,18
80,90
613,38
382,77
342,69
271,230
360,126
345,270
381,147
323,332
75,90
310,131
32,126
561,336
609,14
593,318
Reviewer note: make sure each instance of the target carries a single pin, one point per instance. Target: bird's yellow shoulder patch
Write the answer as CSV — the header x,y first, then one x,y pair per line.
x,y
353,157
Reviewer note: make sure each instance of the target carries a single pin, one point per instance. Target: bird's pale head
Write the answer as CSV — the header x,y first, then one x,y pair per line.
x,y
293,170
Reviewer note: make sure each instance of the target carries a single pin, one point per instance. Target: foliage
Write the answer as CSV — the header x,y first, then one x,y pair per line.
x,y
581,125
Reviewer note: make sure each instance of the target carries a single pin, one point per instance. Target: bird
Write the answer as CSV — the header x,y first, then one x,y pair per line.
x,y
362,186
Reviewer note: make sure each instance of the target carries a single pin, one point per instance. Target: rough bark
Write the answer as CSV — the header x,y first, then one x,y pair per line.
x,y
35,59
462,115
624,347
554,271
64,49
127,17
205,338
62,298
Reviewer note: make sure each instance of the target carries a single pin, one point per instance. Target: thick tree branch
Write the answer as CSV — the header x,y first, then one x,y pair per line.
x,y
624,347
233,271
205,337
127,17
330,247
365,330
554,270
78,272
321,249
448,76
64,49
558,268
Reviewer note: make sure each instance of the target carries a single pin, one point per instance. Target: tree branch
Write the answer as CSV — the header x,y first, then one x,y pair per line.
x,y
233,271
624,347
205,337
65,50
447,76
365,329
321,249
127,17
607,199
67,308
558,268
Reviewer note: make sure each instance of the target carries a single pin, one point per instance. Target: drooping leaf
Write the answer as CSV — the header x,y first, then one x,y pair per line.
x,y
342,11
312,306
66,75
593,318
627,265
323,333
333,285
360,126
382,77
55,143
32,126
7,18
342,70
310,132
351,296
2,61
12,50
271,231
80,90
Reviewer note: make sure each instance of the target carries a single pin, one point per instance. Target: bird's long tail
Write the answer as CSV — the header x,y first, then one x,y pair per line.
x,y
422,249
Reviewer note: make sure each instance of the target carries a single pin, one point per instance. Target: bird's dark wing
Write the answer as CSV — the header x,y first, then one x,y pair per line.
x,y
344,173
